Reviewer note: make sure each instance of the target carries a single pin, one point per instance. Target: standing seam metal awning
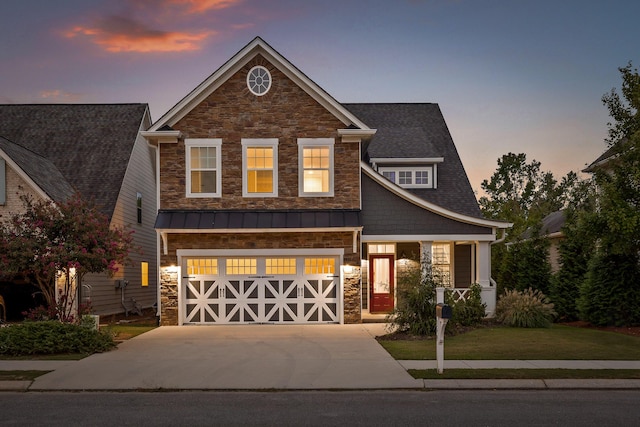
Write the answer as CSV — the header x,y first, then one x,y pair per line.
x,y
237,219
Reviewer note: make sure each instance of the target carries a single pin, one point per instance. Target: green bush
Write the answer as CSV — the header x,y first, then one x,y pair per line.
x,y
415,312
469,311
526,309
610,294
52,337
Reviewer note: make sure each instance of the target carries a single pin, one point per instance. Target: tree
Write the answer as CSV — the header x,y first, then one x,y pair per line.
x,y
521,193
575,252
611,295
68,239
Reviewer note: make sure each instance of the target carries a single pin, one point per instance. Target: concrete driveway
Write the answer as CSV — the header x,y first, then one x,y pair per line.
x,y
239,357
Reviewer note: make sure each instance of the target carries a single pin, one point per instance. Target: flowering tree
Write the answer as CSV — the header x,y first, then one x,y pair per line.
x,y
71,238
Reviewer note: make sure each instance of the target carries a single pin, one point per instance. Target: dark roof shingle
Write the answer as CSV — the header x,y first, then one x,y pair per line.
x,y
90,144
420,131
43,172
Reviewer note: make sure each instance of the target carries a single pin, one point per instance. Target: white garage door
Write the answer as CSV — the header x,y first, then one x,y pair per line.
x,y
241,290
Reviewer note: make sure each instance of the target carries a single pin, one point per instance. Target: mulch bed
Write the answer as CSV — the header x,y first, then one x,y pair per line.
x,y
148,317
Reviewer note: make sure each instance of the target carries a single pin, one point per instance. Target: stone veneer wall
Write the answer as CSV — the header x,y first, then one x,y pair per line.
x,y
273,241
287,113
168,296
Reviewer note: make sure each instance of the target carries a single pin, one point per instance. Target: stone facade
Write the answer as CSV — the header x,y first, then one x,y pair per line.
x,y
271,241
231,113
168,296
287,113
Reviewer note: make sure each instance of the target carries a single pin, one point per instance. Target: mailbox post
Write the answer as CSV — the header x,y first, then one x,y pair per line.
x,y
443,314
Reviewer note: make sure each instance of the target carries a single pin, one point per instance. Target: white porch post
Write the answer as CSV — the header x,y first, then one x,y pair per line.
x,y
483,276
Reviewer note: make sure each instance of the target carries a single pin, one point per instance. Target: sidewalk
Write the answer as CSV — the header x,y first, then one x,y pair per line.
x,y
432,384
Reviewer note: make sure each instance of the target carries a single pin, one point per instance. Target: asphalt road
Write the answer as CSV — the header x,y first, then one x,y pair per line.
x,y
324,408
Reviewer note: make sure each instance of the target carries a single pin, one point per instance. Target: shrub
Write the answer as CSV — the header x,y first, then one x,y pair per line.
x,y
610,293
416,309
526,309
52,337
469,311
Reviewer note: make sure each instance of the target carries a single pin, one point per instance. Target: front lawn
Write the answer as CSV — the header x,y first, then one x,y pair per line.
x,y
503,343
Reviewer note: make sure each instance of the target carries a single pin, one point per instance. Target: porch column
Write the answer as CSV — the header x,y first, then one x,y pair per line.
x,y
483,268
483,276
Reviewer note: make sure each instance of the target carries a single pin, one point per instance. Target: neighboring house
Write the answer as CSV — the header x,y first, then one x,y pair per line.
x,y
610,154
278,204
50,151
551,229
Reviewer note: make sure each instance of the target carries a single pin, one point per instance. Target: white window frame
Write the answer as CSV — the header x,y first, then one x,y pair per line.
x,y
203,142
259,142
430,169
315,142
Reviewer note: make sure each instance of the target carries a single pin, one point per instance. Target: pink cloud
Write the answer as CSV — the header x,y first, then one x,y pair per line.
x,y
121,34
57,95
199,6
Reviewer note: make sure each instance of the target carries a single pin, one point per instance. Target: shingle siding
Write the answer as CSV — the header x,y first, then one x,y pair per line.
x,y
384,213
420,131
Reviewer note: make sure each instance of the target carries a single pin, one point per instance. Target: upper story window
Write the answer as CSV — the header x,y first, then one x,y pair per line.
x,y
410,176
260,167
203,167
315,165
259,80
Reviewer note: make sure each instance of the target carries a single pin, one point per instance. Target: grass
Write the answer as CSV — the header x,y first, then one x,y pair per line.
x,y
20,375
529,374
502,343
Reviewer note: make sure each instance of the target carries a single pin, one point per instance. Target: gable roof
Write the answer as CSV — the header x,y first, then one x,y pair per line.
x,y
612,152
89,144
42,172
551,226
420,131
256,47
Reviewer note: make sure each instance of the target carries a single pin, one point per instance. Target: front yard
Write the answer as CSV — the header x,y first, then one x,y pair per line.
x,y
559,342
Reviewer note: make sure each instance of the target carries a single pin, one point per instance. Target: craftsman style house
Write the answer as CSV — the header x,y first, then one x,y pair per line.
x,y
51,151
278,204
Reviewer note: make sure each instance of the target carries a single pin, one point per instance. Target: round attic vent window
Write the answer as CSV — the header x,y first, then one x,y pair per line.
x,y
259,80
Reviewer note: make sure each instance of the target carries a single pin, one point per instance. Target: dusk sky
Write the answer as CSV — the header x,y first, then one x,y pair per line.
x,y
510,76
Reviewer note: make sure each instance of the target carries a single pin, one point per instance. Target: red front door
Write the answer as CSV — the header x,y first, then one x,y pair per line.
x,y
381,283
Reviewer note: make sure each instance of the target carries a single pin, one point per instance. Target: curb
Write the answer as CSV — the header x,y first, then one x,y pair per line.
x,y
14,385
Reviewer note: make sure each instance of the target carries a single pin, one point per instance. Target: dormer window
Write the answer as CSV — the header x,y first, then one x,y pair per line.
x,y
410,176
409,172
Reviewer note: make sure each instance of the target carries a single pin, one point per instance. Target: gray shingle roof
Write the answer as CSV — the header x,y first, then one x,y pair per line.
x,y
420,131
90,144
43,172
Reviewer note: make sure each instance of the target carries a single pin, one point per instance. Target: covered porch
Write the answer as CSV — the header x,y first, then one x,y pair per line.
x,y
458,262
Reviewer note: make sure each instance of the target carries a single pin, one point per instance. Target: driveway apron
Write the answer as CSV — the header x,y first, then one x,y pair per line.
x,y
239,357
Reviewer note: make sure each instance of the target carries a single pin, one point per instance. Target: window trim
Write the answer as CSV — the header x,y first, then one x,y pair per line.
x,y
430,169
315,142
203,142
259,142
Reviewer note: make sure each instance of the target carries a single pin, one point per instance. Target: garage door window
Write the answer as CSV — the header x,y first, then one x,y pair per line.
x,y
241,266
202,266
280,266
319,266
